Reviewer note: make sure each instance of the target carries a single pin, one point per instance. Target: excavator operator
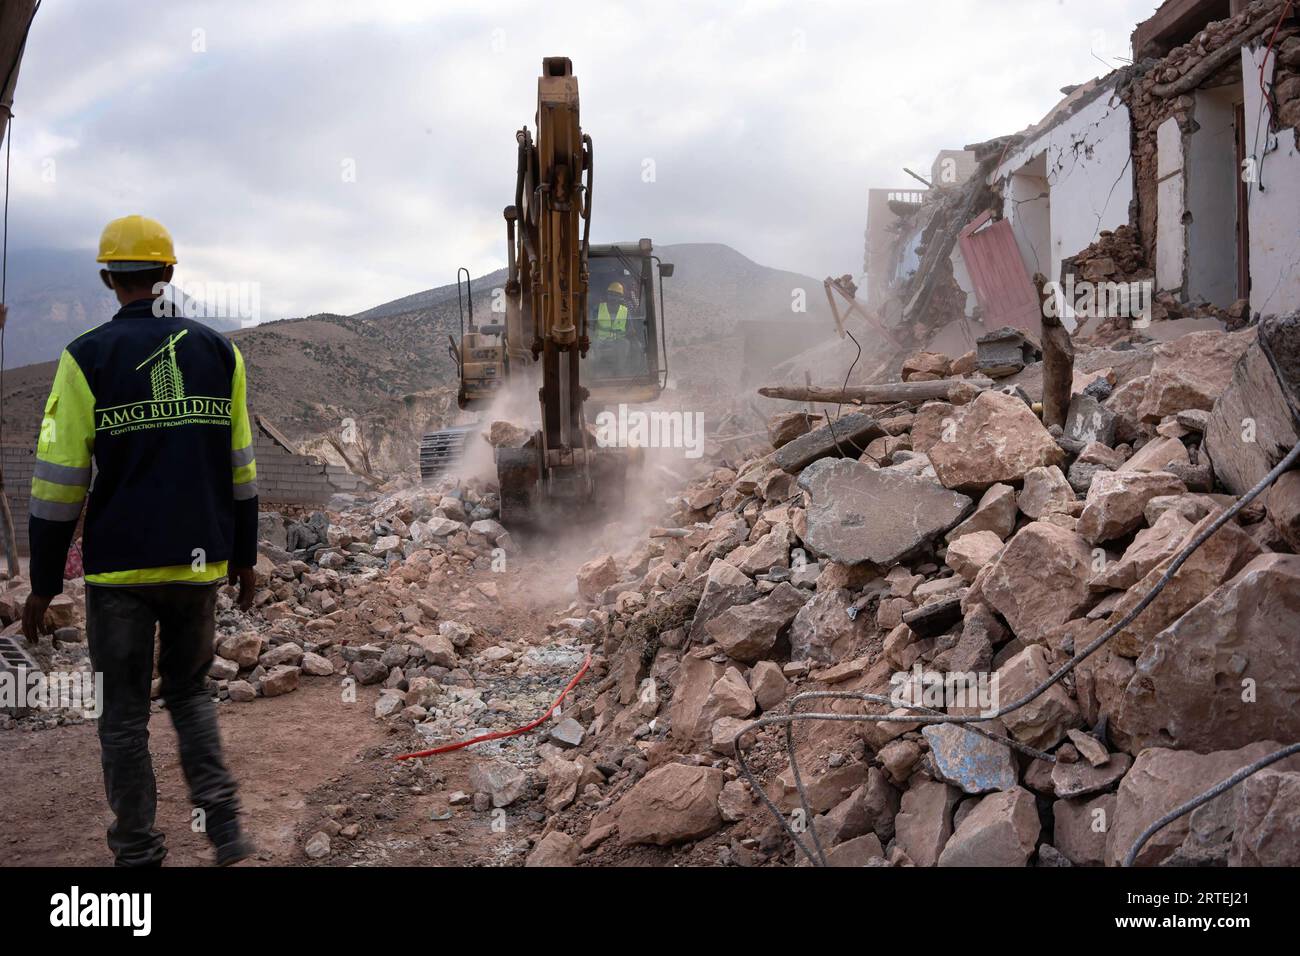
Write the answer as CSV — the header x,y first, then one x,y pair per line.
x,y
611,316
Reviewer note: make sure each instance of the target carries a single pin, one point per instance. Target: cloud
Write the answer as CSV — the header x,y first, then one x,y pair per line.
x,y
764,123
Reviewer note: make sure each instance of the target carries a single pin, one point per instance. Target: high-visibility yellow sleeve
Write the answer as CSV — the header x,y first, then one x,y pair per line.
x,y
242,461
65,445
61,475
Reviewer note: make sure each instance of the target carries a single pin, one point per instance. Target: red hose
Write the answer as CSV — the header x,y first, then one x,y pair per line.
x,y
505,733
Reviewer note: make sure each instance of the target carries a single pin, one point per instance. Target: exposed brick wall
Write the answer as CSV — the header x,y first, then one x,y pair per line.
x,y
18,462
283,478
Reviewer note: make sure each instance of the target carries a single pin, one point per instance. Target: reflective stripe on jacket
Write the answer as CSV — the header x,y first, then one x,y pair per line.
x,y
159,404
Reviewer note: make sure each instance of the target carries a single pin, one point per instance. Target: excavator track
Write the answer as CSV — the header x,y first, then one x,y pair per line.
x,y
441,452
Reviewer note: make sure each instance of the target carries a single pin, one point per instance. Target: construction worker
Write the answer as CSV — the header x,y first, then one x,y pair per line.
x,y
158,402
611,315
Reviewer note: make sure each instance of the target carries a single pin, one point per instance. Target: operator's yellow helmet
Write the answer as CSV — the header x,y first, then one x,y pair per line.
x,y
616,288
135,242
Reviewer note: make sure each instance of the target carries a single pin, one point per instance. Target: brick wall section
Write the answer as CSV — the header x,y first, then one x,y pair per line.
x,y
18,462
288,479
282,478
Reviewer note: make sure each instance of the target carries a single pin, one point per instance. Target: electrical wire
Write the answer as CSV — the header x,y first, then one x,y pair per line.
x,y
498,735
930,717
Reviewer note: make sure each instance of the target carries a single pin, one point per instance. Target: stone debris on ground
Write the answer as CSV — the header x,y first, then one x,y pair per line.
x,y
991,548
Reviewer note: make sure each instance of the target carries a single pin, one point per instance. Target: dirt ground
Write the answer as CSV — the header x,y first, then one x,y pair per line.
x,y
301,760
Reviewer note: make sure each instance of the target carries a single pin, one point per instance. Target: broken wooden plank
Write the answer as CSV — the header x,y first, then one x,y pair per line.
x,y
912,392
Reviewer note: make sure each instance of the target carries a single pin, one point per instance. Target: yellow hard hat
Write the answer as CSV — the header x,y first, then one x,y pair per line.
x,y
136,239
615,287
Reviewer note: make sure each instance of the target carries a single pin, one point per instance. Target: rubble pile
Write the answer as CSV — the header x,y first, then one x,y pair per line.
x,y
959,540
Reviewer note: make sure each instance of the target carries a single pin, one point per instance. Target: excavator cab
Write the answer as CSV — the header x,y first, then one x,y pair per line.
x,y
627,361
480,354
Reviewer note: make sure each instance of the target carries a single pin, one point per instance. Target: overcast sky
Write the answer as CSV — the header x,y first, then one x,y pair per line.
x,y
235,124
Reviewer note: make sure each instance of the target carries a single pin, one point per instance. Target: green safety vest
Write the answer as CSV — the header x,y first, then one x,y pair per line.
x,y
611,328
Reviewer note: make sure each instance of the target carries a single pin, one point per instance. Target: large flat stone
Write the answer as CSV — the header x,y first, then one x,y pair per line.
x,y
671,804
862,514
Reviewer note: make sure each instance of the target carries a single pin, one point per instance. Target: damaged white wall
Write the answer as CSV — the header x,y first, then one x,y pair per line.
x,y
1274,200
1085,160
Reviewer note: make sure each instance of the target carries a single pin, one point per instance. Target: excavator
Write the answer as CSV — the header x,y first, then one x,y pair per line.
x,y
576,350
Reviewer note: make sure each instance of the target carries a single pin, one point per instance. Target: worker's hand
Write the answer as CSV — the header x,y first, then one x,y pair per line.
x,y
246,579
34,616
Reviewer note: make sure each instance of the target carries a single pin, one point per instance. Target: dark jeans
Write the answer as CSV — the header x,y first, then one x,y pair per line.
x,y
120,624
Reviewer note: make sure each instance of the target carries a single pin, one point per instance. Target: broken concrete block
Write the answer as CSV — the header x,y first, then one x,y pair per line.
x,y
1040,580
1226,552
504,783
696,675
924,821
823,791
1045,491
823,632
860,514
1266,820
1150,546
996,438
1088,420
768,684
281,679
785,427
1282,504
1080,828
1001,830
726,586
995,512
1191,372
1004,352
1043,721
1117,501
1081,778
969,760
1159,454
596,575
967,554
934,364
1252,425
557,848
749,632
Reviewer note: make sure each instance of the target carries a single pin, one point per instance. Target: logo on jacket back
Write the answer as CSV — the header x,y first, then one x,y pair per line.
x,y
169,405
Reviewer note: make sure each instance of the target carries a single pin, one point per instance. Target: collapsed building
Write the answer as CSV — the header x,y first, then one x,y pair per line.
x,y
1179,173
